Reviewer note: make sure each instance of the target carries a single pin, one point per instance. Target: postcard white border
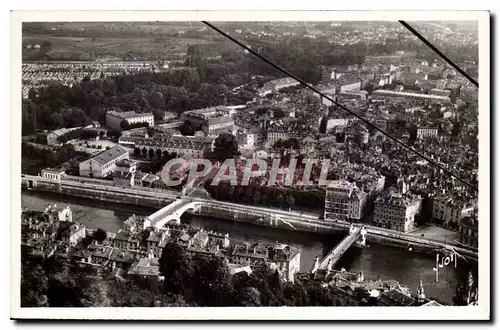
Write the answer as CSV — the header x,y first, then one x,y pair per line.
x,y
481,312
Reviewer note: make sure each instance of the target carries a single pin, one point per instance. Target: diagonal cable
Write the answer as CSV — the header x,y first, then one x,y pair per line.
x,y
338,104
437,51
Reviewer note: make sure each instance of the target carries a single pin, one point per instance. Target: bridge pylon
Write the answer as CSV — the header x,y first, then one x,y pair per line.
x,y
362,239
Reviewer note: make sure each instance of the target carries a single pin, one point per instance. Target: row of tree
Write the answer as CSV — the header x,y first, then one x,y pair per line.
x,y
83,134
188,281
267,196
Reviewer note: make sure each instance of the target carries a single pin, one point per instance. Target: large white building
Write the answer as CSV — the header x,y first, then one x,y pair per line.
x,y
53,137
348,85
211,121
344,201
114,118
427,133
195,146
275,135
404,96
103,164
275,85
331,123
397,211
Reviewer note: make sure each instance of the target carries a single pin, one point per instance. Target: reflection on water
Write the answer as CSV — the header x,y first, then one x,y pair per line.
x,y
376,261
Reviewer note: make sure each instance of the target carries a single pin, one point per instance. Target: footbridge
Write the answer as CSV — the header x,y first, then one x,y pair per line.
x,y
171,213
356,234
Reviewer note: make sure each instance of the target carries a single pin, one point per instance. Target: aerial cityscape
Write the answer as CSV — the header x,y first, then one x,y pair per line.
x,y
166,165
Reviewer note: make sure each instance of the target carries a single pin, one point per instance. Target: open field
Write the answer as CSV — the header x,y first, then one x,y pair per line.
x,y
86,48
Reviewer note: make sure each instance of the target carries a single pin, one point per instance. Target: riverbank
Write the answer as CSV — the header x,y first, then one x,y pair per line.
x,y
376,261
259,216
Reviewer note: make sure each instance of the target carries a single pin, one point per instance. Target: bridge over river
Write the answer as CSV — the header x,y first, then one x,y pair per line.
x,y
356,234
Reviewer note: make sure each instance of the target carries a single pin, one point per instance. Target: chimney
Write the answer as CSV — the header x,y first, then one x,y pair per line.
x,y
329,267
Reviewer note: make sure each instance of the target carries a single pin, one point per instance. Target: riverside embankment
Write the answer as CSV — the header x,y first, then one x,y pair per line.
x,y
377,261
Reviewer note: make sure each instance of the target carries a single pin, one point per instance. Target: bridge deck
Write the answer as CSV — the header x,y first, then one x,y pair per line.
x,y
336,253
167,210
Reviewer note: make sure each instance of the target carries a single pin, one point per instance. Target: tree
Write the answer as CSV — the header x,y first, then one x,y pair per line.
x,y
124,125
225,147
176,267
100,235
280,200
137,151
150,131
114,133
213,285
249,297
144,152
187,129
290,201
151,153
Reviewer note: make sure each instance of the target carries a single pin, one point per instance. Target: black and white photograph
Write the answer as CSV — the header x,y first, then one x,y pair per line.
x,y
178,161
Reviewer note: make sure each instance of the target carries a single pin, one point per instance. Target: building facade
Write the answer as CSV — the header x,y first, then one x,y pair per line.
x,y
53,174
103,164
397,211
468,230
427,133
344,201
447,211
115,118
124,173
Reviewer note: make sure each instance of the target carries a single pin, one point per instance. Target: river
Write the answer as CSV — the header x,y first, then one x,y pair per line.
x,y
376,261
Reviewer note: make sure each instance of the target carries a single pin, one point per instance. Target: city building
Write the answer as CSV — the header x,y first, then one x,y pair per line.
x,y
210,120
397,211
156,241
146,268
442,92
219,239
344,201
126,240
277,84
70,232
250,139
469,230
405,96
53,173
331,123
124,173
55,213
274,135
53,137
169,117
249,254
347,85
195,146
448,210
115,118
286,260
103,164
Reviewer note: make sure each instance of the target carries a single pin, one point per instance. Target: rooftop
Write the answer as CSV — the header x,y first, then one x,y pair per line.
x,y
128,114
109,155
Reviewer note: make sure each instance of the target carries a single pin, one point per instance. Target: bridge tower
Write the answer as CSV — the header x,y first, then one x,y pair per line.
x,y
329,267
